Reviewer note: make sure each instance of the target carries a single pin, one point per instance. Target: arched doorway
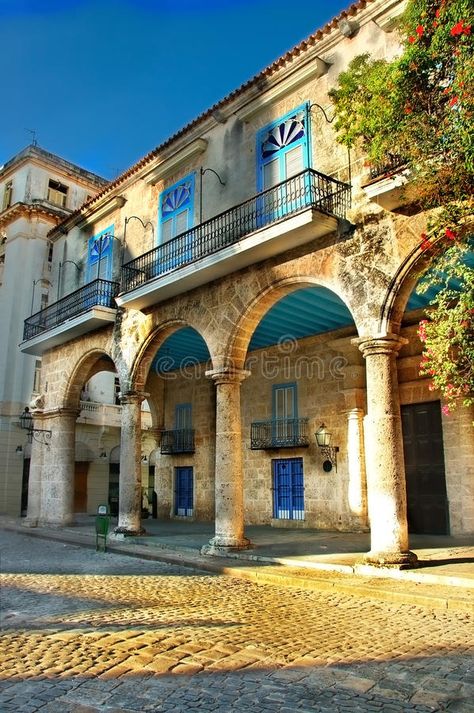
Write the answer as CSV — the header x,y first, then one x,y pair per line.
x,y
304,371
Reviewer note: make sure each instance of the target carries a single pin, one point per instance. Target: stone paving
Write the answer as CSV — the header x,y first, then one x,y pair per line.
x,y
85,631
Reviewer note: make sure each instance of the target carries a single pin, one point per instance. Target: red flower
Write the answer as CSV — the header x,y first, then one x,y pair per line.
x,y
438,13
408,109
445,410
453,101
411,39
450,234
460,28
419,30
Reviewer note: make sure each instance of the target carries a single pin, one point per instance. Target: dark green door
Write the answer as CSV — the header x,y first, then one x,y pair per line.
x,y
427,502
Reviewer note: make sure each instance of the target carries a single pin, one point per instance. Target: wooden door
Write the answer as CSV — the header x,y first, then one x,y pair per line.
x,y
427,502
80,486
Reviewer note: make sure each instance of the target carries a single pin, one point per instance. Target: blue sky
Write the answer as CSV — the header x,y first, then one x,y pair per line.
x,y
102,82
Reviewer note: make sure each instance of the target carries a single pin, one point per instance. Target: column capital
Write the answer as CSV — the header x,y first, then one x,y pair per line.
x,y
133,397
227,375
383,344
56,413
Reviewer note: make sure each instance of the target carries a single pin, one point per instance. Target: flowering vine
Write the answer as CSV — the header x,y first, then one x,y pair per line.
x,y
420,106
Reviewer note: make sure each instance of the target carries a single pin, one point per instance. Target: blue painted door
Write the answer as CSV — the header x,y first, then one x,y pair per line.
x,y
184,491
288,489
175,219
282,154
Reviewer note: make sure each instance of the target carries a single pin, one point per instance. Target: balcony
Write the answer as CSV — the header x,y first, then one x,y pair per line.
x,y
100,414
180,440
80,312
303,208
387,185
279,433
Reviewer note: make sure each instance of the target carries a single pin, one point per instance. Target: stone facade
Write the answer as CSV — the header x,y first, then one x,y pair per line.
x,y
351,373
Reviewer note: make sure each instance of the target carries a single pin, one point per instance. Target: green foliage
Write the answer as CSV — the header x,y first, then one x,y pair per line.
x,y
420,108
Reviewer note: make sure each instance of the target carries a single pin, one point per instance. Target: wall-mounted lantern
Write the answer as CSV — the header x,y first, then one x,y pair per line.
x,y
40,435
323,439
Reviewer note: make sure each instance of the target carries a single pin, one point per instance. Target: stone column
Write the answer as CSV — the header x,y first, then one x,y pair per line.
x,y
33,512
357,489
57,481
384,449
229,485
130,484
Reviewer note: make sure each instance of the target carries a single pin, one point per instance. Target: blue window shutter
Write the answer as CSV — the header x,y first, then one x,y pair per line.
x,y
283,147
100,255
176,209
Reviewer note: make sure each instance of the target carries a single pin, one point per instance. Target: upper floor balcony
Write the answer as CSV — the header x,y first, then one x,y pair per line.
x,y
298,210
279,433
86,309
100,414
387,184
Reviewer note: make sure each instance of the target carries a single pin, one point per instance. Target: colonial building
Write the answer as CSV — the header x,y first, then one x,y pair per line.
x,y
37,191
256,286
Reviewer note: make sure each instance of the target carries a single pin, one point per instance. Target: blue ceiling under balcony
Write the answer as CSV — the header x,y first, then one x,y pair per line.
x,y
305,312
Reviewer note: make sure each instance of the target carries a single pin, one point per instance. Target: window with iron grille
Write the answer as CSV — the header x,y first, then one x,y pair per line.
x,y
288,489
183,505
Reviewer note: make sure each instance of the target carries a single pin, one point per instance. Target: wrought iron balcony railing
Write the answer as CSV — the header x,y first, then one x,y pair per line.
x,y
308,189
391,165
279,433
94,294
179,440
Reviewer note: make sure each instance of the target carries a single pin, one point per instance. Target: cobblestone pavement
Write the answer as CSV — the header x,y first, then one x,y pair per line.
x,y
85,631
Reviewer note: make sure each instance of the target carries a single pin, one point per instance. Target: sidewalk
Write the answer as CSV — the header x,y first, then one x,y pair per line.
x,y
297,557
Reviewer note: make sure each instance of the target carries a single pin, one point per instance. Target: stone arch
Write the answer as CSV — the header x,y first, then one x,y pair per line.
x,y
414,265
237,345
90,363
114,456
144,358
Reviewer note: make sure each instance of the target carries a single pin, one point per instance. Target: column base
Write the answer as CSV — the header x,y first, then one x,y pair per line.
x,y
394,560
29,522
219,545
121,533
55,525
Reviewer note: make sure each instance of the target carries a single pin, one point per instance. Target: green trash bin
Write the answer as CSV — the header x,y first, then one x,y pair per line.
x,y
102,522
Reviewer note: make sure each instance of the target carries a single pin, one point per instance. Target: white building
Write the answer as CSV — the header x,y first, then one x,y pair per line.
x,y
37,191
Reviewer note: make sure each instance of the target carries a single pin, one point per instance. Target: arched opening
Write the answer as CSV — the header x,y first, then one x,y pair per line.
x,y
94,391
438,487
178,479
304,371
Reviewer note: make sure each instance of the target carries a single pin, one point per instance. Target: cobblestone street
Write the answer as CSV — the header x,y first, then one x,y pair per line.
x,y
85,631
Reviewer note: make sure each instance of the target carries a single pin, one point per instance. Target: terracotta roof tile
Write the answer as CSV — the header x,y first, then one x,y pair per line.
x,y
268,71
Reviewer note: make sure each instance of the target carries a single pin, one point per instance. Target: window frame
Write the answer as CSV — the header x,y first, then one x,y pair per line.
x,y
173,215
280,154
